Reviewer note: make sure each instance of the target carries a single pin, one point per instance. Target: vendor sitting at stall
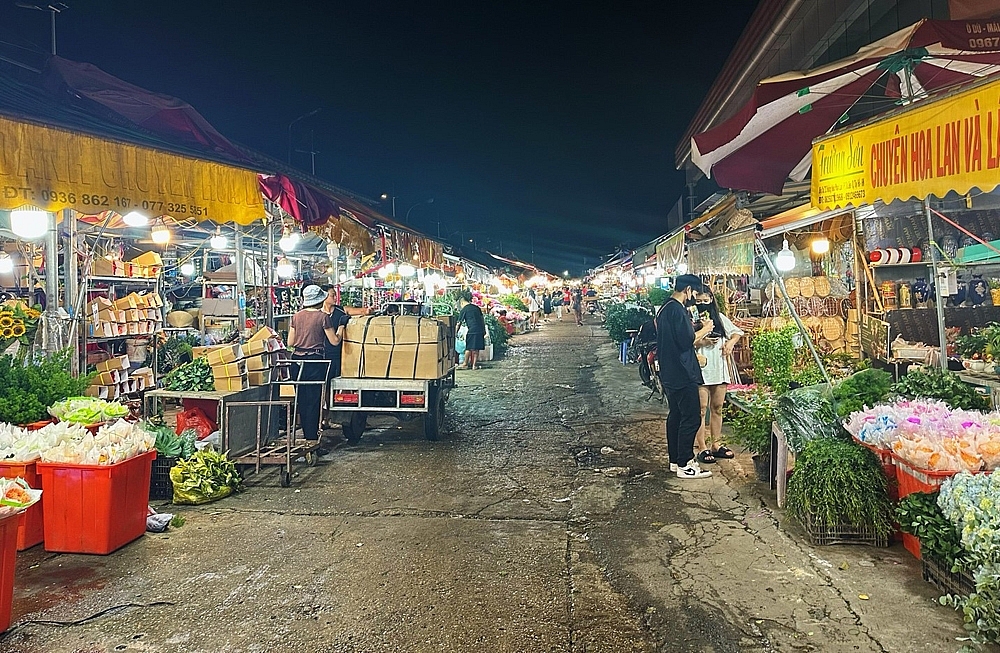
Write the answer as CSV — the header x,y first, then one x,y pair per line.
x,y
311,329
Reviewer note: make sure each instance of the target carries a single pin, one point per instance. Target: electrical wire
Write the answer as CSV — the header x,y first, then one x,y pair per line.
x,y
80,622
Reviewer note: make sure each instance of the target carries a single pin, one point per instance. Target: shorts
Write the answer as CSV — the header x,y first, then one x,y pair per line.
x,y
475,341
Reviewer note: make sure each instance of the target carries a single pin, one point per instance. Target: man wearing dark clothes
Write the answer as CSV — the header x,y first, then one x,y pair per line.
x,y
472,317
340,319
680,374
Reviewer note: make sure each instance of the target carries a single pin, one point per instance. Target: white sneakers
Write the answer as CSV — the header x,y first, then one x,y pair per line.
x,y
691,470
674,467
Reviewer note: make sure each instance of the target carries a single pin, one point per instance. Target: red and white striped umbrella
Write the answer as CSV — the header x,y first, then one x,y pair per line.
x,y
770,138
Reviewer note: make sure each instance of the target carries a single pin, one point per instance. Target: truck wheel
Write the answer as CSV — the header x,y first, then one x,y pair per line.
x,y
355,426
434,419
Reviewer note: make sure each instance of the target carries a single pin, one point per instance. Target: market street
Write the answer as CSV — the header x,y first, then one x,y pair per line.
x,y
514,533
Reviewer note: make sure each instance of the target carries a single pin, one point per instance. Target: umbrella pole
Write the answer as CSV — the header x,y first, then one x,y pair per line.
x,y
939,296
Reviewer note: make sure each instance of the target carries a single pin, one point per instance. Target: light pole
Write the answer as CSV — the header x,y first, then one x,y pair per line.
x,y
385,196
302,117
406,220
53,9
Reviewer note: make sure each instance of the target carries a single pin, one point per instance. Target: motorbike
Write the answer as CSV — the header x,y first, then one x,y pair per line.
x,y
643,346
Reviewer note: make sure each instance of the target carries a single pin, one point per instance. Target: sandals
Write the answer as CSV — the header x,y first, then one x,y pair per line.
x,y
724,452
706,457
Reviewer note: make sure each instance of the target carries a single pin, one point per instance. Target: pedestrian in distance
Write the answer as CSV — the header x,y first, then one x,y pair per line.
x,y
547,305
680,374
534,309
578,306
472,317
715,349
557,303
567,300
310,331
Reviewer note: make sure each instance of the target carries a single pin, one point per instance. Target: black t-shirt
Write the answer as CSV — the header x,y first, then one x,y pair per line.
x,y
339,318
675,347
472,316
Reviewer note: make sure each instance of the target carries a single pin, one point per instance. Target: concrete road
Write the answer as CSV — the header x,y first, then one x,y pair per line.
x,y
514,533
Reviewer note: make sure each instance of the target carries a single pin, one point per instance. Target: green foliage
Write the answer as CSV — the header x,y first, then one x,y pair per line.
x,y
622,320
808,375
498,334
981,609
27,391
751,423
866,388
169,444
205,476
173,351
657,296
805,414
773,354
974,343
195,376
515,302
935,383
919,515
838,483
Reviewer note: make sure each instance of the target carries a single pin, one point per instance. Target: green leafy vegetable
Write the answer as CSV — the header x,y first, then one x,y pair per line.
x,y
206,476
87,410
773,355
919,515
751,421
514,301
866,388
935,383
195,376
805,414
27,390
171,445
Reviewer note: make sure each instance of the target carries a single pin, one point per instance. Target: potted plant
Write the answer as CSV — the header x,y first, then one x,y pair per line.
x,y
751,425
972,348
657,297
838,492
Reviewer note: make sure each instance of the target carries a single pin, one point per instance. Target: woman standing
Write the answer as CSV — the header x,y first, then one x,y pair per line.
x,y
534,309
310,331
716,349
472,317
578,306
547,305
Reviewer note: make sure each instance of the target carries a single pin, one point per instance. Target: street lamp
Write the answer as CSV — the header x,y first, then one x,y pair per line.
x,y
302,117
386,196
406,220
53,9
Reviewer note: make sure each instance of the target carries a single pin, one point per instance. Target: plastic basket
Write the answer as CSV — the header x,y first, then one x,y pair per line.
x,y
95,508
912,544
844,534
8,560
30,531
160,486
940,575
911,479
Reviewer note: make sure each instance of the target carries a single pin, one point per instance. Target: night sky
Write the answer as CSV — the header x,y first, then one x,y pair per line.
x,y
544,125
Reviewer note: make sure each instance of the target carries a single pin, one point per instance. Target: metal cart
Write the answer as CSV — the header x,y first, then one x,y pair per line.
x,y
352,400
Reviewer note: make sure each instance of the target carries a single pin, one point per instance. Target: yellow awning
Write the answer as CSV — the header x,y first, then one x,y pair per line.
x,y
54,169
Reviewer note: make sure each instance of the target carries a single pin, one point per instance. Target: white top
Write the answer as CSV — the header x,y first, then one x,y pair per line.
x,y
533,305
716,371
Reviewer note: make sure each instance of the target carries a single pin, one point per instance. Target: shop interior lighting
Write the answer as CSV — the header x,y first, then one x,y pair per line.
x,y
390,268
343,277
821,245
285,268
682,268
218,241
6,263
187,269
29,224
407,270
160,234
135,219
383,272
289,240
785,260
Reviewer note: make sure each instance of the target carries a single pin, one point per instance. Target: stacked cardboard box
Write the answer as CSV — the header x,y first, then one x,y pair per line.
x,y
237,367
145,266
261,353
132,315
113,379
396,347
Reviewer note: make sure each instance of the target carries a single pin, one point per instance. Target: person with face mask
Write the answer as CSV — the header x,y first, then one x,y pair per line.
x,y
715,348
680,374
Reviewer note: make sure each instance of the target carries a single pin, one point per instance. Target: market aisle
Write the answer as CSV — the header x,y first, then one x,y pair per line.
x,y
515,533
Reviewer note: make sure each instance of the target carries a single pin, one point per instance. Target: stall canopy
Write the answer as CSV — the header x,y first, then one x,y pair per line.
x,y
948,144
769,139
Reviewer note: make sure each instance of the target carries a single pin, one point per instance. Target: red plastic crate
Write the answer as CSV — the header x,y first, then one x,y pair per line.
x,y
8,559
30,530
912,544
912,479
95,508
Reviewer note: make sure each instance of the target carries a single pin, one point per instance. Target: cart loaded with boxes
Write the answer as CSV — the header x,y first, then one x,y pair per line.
x,y
400,365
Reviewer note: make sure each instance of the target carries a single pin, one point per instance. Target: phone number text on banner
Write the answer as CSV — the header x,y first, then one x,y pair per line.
x,y
54,169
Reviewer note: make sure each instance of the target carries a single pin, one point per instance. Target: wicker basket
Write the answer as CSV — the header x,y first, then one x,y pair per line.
x,y
806,287
792,287
833,328
822,286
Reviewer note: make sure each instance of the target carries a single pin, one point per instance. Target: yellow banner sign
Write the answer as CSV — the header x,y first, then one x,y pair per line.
x,y
951,144
54,169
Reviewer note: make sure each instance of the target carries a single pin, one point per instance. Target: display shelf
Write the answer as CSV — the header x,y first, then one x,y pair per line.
x,y
146,281
955,264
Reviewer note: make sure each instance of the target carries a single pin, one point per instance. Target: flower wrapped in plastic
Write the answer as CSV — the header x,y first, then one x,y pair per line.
x,y
16,495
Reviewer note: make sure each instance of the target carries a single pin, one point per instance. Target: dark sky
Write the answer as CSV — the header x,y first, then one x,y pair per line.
x,y
550,124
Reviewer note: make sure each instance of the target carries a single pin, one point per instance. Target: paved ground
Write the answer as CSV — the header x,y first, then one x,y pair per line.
x,y
515,533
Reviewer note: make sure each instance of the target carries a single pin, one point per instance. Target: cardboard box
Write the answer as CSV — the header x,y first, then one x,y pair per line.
x,y
259,362
286,391
101,392
224,354
114,363
125,303
148,264
229,369
111,377
265,333
106,316
219,307
232,384
259,377
99,304
102,267
395,347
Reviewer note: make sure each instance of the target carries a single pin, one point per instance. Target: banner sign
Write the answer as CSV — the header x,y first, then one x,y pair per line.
x,y
670,252
731,253
951,144
52,169
874,335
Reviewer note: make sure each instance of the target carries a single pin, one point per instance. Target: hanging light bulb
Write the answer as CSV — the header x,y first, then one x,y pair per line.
x,y
285,268
343,277
821,245
187,269
289,239
407,270
682,268
785,260
135,219
390,268
383,272
218,241
6,263
160,234
29,224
